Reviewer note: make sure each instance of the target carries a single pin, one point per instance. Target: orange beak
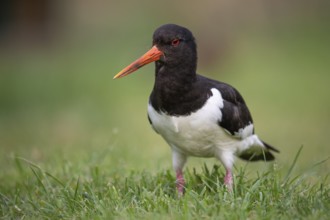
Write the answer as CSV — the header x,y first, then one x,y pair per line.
x,y
152,55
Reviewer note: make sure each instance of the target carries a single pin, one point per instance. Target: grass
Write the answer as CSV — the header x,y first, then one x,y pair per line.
x,y
92,192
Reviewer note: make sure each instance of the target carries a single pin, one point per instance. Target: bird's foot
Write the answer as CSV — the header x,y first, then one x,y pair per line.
x,y
180,183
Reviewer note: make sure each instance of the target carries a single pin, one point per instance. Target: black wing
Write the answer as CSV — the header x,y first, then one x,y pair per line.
x,y
236,116
235,113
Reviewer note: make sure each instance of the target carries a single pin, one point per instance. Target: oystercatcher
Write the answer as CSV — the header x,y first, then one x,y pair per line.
x,y
196,116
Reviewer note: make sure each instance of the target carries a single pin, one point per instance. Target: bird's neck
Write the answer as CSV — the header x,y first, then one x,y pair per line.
x,y
172,88
174,80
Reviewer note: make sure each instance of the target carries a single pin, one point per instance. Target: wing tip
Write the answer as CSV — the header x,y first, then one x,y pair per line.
x,y
269,147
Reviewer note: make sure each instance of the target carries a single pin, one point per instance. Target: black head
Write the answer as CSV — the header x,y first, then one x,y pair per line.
x,y
178,46
174,50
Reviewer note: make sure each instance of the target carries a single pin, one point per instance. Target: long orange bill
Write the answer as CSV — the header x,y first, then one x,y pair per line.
x,y
152,55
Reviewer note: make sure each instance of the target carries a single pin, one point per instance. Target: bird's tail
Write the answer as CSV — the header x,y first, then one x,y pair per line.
x,y
269,147
265,154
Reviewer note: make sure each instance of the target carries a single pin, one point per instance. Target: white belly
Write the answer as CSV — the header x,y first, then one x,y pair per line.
x,y
197,134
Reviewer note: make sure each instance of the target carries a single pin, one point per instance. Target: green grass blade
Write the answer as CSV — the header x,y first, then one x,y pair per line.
x,y
38,179
56,179
76,189
292,166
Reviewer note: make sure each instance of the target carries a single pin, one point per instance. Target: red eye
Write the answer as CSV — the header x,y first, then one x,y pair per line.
x,y
175,42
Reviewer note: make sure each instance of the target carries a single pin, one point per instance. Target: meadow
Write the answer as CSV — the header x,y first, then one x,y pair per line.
x,y
75,144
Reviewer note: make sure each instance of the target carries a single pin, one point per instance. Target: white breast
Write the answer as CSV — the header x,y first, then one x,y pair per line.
x,y
197,134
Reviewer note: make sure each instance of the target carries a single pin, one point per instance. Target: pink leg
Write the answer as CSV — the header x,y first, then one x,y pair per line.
x,y
179,160
229,180
227,159
180,182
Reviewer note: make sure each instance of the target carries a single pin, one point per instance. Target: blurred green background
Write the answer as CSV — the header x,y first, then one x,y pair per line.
x,y
57,60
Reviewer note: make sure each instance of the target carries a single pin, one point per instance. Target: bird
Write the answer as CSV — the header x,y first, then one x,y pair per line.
x,y
197,116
